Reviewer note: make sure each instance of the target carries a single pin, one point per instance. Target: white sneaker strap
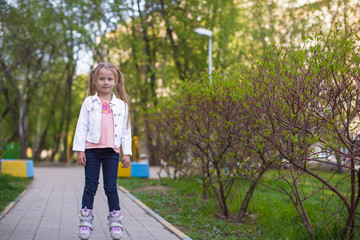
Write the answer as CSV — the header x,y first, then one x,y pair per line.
x,y
119,218
115,224
89,218
86,224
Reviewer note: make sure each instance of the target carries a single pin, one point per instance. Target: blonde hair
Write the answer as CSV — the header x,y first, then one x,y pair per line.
x,y
120,90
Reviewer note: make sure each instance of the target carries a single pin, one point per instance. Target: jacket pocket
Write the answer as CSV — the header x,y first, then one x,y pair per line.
x,y
119,119
94,122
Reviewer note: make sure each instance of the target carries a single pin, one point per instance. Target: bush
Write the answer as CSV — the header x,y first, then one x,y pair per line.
x,y
307,101
206,127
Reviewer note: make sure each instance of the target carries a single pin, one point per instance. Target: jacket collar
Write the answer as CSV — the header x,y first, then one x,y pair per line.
x,y
95,97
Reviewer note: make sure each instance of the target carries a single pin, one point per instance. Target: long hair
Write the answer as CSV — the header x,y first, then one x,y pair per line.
x,y
119,88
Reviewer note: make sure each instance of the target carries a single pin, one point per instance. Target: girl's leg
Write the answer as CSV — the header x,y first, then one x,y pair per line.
x,y
110,168
92,170
110,163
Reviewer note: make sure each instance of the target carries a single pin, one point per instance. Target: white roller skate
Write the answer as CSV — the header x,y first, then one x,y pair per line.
x,y
85,227
115,225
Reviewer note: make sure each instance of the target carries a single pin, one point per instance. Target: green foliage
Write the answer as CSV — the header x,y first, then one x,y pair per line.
x,y
306,102
10,188
210,119
288,82
40,44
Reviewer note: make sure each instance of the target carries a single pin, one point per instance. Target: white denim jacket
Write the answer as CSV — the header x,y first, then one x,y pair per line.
x,y
88,127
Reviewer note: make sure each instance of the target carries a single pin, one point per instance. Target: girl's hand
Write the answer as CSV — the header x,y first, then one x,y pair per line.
x,y
81,159
125,160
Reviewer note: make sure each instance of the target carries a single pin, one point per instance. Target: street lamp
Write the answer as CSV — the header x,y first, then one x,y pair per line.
x,y
208,33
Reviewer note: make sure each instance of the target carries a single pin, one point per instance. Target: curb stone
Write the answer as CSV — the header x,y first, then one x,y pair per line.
x,y
168,225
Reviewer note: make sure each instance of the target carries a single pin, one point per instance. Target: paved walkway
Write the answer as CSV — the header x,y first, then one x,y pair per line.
x,y
49,210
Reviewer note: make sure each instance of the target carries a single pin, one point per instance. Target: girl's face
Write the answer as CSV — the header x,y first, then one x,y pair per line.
x,y
105,82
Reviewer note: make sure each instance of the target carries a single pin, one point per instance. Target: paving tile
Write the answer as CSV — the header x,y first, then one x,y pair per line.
x,y
4,236
21,237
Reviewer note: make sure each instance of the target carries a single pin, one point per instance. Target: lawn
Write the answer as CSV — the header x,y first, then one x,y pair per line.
x,y
271,214
10,188
180,203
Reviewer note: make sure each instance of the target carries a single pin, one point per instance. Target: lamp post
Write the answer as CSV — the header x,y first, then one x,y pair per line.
x,y
208,33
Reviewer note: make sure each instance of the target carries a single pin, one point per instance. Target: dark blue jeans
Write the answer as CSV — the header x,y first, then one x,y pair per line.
x,y
109,160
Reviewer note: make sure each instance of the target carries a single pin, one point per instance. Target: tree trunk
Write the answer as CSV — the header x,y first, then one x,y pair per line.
x,y
24,130
222,196
298,202
69,82
154,159
151,74
249,194
349,230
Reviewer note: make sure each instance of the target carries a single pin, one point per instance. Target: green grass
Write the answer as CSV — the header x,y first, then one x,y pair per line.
x,y
278,219
183,206
275,216
10,188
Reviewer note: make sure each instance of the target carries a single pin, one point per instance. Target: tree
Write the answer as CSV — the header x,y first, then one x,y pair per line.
x,y
26,54
37,60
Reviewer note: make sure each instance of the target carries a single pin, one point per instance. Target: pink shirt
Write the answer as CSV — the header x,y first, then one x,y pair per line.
x,y
107,129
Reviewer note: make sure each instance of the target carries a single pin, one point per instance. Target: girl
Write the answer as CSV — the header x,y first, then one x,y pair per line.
x,y
103,126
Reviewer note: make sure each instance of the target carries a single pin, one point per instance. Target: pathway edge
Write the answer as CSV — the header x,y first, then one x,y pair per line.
x,y
165,223
13,203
